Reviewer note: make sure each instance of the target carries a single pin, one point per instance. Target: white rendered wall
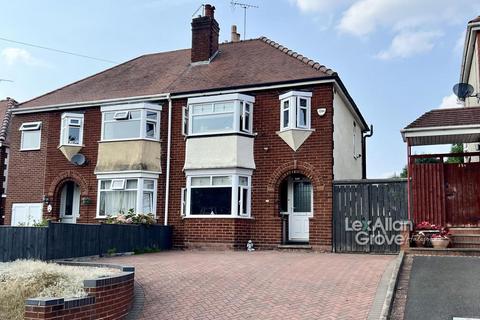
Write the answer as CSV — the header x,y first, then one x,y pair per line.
x,y
346,166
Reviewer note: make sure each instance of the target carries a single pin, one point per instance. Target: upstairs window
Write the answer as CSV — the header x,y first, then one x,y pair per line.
x,y
135,123
295,110
218,114
71,133
31,136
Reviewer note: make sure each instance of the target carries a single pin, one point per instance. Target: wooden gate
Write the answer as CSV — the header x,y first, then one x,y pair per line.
x,y
372,203
446,193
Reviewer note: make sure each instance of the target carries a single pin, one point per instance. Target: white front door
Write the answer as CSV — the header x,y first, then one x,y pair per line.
x,y
70,202
300,202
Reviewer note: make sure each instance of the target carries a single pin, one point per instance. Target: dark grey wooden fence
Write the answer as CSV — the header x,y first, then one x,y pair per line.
x,y
62,240
370,202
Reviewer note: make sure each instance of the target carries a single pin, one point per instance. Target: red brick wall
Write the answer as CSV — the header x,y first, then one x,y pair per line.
x,y
313,159
104,301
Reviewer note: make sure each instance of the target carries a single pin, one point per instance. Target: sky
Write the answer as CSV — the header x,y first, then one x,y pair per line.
x,y
397,58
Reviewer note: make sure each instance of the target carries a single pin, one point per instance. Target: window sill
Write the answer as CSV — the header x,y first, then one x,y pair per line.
x,y
206,135
71,145
130,139
22,150
298,129
216,217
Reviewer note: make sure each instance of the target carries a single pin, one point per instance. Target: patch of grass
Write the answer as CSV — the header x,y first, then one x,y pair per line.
x,y
23,279
146,250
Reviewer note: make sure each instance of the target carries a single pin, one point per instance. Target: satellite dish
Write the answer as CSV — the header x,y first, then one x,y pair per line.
x,y
78,159
463,90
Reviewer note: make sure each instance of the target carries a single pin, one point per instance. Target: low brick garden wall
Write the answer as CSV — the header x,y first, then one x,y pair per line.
x,y
108,298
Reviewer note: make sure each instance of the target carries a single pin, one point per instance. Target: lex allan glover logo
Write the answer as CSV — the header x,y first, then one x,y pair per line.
x,y
378,232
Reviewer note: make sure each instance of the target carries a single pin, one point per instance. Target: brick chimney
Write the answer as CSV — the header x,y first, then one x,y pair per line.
x,y
205,31
235,34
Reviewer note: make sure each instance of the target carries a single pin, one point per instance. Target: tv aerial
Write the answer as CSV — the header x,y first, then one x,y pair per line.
x,y
245,6
464,90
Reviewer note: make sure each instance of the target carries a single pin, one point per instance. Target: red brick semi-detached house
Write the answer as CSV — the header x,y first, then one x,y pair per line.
x,y
225,142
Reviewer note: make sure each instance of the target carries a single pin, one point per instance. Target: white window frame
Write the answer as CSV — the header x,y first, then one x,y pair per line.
x,y
140,177
246,125
65,126
185,121
294,107
238,112
234,175
31,126
122,113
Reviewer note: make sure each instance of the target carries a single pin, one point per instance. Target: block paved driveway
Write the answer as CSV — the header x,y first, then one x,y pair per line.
x,y
259,285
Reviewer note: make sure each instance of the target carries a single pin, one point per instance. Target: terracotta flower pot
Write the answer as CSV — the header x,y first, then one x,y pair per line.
x,y
440,243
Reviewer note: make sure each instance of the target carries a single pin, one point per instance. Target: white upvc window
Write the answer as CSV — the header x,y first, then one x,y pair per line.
x,y
131,121
118,194
227,113
295,110
218,195
31,136
71,132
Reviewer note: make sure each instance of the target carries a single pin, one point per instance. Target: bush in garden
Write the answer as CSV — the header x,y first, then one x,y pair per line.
x,y
23,279
131,218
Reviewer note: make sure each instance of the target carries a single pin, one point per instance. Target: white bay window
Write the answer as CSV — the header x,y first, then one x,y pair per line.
x,y
218,114
117,194
295,110
71,132
221,194
131,121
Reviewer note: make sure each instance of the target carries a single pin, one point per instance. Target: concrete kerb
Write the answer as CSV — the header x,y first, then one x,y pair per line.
x,y
383,301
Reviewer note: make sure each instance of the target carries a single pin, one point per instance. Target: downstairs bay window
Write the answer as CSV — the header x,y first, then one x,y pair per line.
x,y
217,195
118,194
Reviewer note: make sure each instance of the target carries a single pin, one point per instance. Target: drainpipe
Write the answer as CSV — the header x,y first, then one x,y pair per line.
x,y
167,174
364,151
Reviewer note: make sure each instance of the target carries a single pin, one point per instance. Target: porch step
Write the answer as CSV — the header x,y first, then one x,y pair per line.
x,y
295,247
461,240
445,252
467,231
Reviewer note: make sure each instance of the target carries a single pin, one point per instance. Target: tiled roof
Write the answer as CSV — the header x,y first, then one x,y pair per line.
x,y
238,64
477,19
447,117
6,107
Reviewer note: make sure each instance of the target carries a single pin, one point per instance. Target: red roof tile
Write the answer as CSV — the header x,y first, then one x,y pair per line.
x,y
244,63
447,117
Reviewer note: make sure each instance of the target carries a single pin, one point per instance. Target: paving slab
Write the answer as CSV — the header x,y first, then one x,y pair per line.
x,y
257,285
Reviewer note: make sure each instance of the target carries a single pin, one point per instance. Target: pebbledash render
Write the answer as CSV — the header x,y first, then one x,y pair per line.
x,y
225,142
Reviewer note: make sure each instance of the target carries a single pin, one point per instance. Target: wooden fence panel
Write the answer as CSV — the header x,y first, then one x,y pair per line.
x,y
370,202
62,240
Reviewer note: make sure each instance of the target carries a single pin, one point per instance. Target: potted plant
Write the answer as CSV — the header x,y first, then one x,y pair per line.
x,y
419,238
440,240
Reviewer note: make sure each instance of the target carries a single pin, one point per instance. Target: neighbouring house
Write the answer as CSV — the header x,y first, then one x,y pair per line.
x,y
446,193
225,142
6,107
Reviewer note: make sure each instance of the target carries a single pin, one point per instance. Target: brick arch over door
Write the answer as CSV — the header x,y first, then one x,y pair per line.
x,y
287,169
65,176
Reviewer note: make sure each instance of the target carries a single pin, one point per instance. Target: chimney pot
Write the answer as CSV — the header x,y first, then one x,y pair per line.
x,y
209,11
235,37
